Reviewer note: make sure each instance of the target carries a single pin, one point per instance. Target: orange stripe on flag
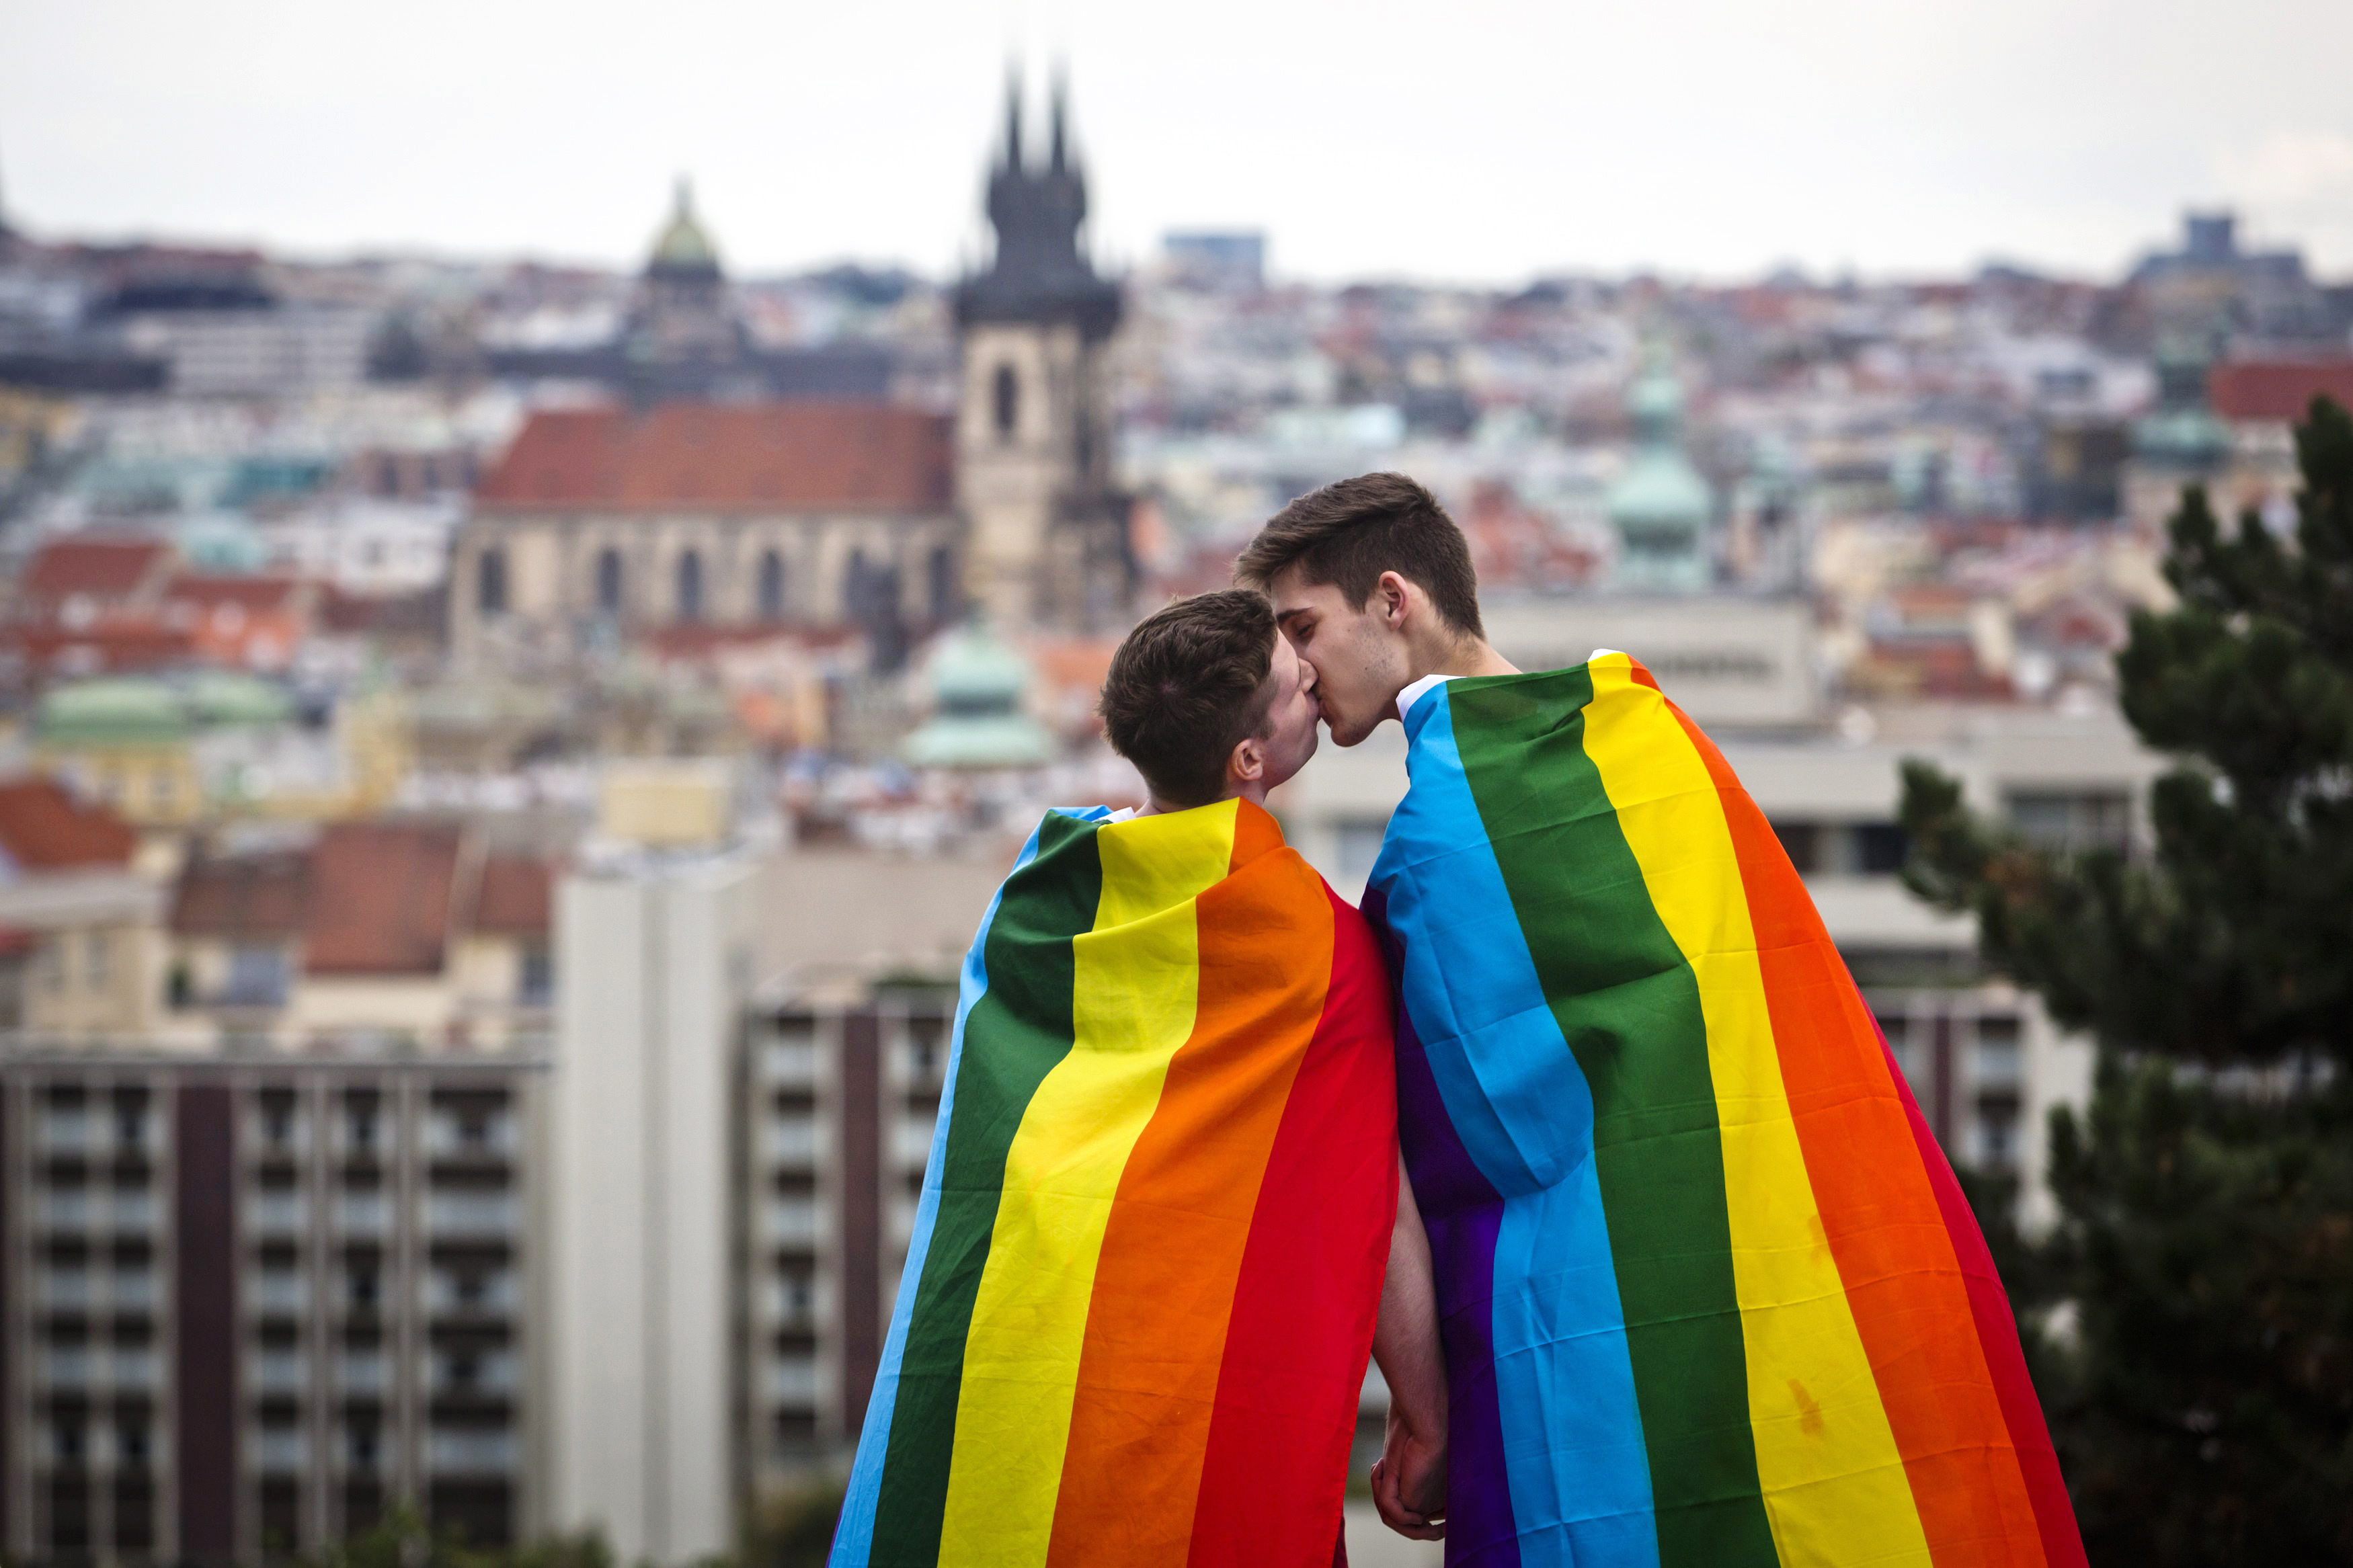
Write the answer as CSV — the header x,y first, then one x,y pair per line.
x,y
1163,1285
1879,1215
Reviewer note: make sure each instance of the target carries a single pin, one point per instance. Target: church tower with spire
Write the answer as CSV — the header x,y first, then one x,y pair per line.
x,y
1048,539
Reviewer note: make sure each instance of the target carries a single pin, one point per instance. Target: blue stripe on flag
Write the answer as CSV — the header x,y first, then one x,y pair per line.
x,y
1580,1479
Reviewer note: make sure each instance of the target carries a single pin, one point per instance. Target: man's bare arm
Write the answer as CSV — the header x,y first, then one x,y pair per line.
x,y
1409,1482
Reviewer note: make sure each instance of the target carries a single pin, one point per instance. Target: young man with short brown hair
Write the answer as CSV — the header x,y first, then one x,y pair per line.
x,y
1655,1256
1208,701
1155,1236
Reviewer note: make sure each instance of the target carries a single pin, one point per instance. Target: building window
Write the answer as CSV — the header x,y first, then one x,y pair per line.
x,y
537,986
608,582
257,977
94,955
1879,849
1006,402
490,583
2072,820
1802,842
690,585
772,586
854,591
945,592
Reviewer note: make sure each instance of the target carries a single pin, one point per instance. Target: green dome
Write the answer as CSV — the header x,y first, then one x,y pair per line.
x,y
970,665
977,686
1661,506
220,697
999,740
1659,493
112,711
683,246
2182,432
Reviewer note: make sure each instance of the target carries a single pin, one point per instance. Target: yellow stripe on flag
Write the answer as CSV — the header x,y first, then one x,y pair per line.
x,y
1136,984
1834,1480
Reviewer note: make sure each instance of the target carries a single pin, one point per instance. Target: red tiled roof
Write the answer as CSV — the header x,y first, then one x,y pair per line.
x,y
2280,389
138,641
517,896
416,613
102,568
773,455
44,828
380,899
243,897
259,593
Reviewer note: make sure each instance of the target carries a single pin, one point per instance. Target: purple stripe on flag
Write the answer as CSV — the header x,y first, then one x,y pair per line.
x,y
1463,1213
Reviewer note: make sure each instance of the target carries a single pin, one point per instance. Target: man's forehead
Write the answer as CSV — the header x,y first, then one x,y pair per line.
x,y
1293,594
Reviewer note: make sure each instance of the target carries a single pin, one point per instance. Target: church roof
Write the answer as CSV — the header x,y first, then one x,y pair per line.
x,y
1040,271
772,457
683,246
2278,390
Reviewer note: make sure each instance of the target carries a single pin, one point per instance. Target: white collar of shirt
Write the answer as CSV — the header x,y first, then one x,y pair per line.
x,y
1413,692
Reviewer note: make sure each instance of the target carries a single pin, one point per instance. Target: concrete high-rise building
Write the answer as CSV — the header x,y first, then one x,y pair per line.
x,y
841,1090
655,954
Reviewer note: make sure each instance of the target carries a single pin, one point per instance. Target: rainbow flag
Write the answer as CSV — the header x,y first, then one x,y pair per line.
x,y
1711,1296
1140,1294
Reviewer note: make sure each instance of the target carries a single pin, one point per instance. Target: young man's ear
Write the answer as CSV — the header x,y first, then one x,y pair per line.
x,y
1392,597
1246,763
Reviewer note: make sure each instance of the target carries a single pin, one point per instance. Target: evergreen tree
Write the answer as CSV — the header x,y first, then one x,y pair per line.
x,y
2199,1376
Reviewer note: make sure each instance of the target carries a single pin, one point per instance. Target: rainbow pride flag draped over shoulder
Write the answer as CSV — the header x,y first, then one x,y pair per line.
x,y
1711,1296
1141,1289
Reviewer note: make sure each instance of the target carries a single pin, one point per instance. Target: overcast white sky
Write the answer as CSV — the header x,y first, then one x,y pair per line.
x,y
1479,140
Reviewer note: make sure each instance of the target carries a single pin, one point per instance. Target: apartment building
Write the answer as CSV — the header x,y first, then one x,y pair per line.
x,y
841,1093
269,1130
253,1298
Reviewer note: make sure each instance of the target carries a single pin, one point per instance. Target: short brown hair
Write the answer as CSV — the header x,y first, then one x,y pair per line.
x,y
1187,686
1348,534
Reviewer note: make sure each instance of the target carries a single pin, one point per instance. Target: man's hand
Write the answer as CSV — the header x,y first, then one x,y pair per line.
x,y
1409,1478
1410,1483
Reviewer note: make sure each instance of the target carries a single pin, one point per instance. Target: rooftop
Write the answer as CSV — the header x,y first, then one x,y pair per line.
x,y
123,709
245,898
2280,389
102,568
380,899
517,896
776,457
44,828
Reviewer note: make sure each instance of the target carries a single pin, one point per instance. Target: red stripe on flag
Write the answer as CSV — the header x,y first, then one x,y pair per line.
x,y
1303,1307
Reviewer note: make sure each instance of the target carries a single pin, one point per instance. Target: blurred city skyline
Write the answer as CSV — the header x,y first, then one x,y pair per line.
x,y
1712,140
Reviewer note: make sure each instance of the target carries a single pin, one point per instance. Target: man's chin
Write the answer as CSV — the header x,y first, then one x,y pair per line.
x,y
1348,732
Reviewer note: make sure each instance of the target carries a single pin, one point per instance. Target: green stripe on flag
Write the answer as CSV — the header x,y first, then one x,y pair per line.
x,y
1629,1006
1017,1030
